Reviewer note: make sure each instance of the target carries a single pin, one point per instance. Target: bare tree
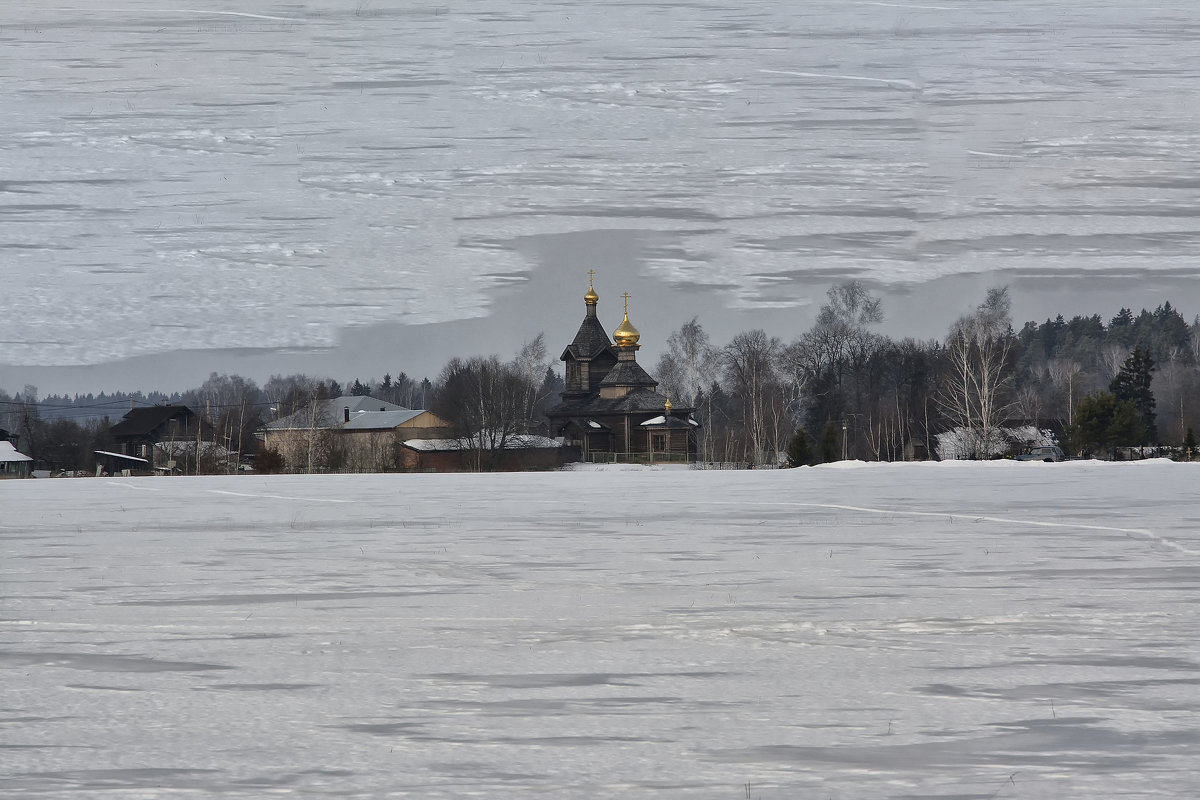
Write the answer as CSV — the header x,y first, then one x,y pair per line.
x,y
530,364
1064,374
978,351
484,400
687,366
1112,356
749,363
827,368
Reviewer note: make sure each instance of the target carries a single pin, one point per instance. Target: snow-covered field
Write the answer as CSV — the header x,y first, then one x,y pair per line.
x,y
865,631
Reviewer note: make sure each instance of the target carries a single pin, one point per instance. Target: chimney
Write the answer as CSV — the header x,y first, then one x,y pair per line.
x,y
346,414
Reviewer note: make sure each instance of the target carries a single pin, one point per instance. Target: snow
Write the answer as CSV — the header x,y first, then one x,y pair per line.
x,y
987,629
958,443
10,453
655,421
513,442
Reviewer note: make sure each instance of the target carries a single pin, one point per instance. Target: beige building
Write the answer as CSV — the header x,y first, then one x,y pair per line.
x,y
371,441
349,434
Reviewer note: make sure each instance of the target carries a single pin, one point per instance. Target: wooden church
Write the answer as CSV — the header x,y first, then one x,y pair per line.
x,y
611,410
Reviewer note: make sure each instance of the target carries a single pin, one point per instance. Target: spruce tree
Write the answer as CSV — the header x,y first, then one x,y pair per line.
x,y
1132,384
799,453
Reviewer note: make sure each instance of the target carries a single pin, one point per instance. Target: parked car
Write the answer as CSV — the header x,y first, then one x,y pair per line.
x,y
1049,454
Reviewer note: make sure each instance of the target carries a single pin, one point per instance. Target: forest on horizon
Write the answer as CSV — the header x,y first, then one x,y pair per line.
x,y
850,390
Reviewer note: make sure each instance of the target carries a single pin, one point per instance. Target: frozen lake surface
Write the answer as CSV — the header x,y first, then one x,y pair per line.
x,y
262,174
872,631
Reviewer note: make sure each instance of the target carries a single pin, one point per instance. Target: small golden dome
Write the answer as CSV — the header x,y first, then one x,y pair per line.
x,y
626,335
591,298
667,405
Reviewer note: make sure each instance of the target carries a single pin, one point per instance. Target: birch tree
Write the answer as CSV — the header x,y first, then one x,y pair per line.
x,y
978,351
749,363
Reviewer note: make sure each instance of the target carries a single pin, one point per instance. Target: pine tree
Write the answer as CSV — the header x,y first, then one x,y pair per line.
x,y
799,453
1132,384
1104,423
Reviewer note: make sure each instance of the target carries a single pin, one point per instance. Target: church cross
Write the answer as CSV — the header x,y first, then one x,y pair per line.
x,y
591,274
626,296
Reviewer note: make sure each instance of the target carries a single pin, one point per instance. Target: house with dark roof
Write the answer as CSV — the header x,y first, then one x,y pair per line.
x,y
144,431
611,408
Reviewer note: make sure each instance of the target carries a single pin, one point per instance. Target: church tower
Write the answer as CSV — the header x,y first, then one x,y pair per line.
x,y
627,375
590,355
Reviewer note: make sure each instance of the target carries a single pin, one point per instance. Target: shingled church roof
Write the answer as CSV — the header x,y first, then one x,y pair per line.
x,y
629,373
590,341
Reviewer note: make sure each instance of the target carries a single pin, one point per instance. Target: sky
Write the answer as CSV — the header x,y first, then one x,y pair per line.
x,y
358,188
936,630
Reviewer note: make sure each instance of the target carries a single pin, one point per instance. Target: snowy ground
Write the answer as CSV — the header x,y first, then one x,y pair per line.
x,y
941,630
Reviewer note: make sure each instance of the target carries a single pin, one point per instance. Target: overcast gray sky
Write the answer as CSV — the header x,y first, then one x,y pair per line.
x,y
355,188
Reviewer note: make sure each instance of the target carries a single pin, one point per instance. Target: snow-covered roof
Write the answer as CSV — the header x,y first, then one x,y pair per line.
x,y
332,413
120,456
668,422
379,420
9,453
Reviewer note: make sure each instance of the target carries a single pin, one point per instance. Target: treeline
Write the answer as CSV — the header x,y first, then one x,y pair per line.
x,y
843,390
479,396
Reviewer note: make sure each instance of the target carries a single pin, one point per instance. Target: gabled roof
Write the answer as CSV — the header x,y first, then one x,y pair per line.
x,y
332,412
589,341
143,421
9,453
380,420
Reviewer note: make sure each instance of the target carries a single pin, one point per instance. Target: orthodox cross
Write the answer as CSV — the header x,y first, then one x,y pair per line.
x,y
626,296
591,274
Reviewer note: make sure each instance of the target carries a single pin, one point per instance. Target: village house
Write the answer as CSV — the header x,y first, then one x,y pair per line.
x,y
156,438
14,464
350,433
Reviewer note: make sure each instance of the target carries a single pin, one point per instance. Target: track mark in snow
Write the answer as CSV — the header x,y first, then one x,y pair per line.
x,y
890,81
277,496
235,14
131,486
1149,534
905,5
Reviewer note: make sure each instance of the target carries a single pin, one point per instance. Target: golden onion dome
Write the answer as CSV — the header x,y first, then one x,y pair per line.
x,y
591,298
626,335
